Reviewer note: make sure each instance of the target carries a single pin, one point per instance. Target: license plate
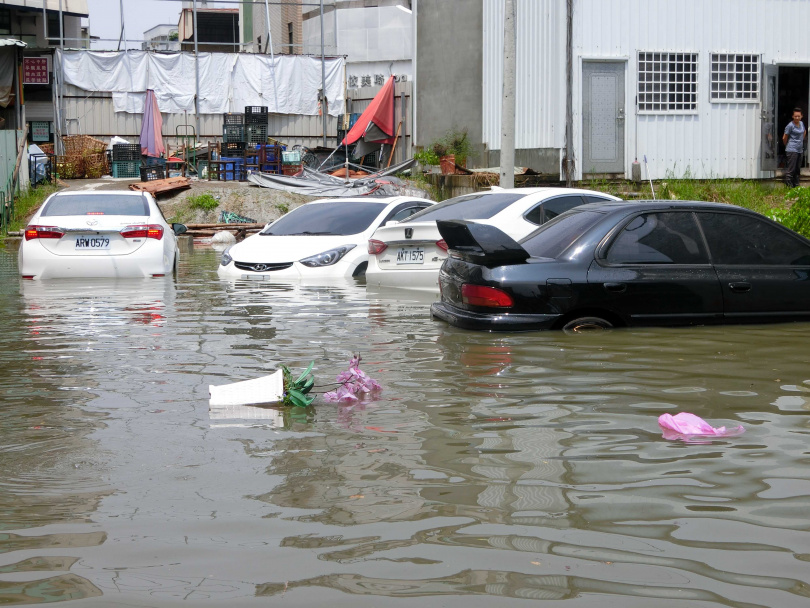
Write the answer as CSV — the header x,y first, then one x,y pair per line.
x,y
92,242
411,255
254,277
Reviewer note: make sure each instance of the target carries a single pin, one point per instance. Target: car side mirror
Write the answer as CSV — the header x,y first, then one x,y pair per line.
x,y
179,229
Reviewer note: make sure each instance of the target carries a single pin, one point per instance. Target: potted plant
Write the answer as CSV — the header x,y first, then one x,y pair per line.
x,y
450,150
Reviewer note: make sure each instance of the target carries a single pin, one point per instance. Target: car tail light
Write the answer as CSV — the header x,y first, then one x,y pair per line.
x,y
147,231
478,295
43,232
376,247
442,245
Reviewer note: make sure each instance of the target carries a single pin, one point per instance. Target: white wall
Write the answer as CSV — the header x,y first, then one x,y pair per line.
x,y
718,140
383,33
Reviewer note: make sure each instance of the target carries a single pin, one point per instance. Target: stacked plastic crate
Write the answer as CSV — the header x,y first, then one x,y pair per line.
x,y
126,160
256,124
263,157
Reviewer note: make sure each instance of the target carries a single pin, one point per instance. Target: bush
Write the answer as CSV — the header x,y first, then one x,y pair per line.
x,y
797,216
204,201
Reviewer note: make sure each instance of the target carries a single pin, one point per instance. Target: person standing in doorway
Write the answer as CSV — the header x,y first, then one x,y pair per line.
x,y
794,137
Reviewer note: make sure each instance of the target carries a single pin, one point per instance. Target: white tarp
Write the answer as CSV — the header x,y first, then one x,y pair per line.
x,y
228,82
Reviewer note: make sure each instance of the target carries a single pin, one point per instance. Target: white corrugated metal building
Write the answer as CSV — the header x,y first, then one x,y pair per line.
x,y
702,88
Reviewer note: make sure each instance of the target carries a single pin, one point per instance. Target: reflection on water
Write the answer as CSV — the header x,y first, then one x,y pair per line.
x,y
493,468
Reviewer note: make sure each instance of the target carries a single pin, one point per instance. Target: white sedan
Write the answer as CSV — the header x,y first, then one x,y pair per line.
x,y
410,253
319,240
117,234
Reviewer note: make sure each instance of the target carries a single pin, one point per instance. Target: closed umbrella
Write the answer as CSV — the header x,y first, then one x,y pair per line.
x,y
151,130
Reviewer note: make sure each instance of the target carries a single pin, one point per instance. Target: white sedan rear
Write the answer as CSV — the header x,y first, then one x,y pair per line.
x,y
410,253
98,235
325,239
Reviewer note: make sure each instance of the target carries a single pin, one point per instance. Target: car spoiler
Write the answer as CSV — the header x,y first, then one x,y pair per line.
x,y
480,243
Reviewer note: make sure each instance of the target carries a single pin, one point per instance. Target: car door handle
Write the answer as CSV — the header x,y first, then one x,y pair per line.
x,y
616,287
739,287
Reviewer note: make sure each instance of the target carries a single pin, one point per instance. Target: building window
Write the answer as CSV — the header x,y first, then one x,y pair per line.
x,y
735,77
53,29
5,21
290,38
667,82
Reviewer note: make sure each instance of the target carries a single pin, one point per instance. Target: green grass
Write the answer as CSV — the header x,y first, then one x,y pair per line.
x,y
788,207
27,202
204,201
283,208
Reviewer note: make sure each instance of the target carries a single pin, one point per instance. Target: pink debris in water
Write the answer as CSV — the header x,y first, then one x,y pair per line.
x,y
354,384
687,426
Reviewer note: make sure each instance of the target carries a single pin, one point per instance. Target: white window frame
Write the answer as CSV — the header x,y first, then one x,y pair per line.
x,y
662,87
728,70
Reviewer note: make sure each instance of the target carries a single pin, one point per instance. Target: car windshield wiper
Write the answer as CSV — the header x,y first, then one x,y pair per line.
x,y
308,233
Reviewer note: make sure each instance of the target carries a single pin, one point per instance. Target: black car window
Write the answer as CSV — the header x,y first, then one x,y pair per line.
x,y
737,239
480,206
597,199
401,213
550,209
95,204
659,238
336,218
554,237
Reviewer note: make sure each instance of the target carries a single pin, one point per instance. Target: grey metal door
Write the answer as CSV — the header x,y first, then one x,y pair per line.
x,y
770,132
603,117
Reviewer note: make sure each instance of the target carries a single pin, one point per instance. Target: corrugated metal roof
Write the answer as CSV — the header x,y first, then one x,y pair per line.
x,y
73,7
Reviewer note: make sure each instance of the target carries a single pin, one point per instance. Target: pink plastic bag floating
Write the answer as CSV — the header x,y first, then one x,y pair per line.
x,y
688,427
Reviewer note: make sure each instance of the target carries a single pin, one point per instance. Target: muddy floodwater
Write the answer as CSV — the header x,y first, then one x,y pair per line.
x,y
494,470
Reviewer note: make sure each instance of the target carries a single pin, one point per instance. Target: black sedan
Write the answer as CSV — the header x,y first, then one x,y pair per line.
x,y
626,264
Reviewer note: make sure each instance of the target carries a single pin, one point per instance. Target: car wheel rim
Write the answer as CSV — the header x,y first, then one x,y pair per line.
x,y
586,325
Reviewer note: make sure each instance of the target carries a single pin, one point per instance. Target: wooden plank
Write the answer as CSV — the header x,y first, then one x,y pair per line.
x,y
159,186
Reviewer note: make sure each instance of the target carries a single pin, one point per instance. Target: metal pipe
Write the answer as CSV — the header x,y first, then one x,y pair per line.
x,y
121,35
508,97
45,21
267,22
323,81
61,75
196,70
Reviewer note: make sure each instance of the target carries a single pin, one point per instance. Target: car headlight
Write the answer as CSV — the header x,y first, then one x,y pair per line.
x,y
226,257
327,258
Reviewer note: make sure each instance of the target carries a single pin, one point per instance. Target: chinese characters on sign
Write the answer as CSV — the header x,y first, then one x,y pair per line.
x,y
377,80
40,130
35,70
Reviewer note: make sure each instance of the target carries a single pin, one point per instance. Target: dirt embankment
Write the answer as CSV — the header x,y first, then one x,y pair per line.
x,y
260,204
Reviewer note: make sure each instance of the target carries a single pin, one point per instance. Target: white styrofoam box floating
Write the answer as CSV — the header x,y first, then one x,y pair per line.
x,y
267,389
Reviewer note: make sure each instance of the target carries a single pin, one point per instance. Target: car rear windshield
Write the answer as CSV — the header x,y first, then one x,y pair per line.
x,y
469,207
112,204
553,238
338,218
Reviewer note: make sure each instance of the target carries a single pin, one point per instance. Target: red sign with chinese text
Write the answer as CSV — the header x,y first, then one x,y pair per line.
x,y
35,70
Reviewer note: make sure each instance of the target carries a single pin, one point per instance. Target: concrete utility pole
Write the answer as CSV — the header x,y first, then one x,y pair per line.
x,y
508,98
569,94
196,70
